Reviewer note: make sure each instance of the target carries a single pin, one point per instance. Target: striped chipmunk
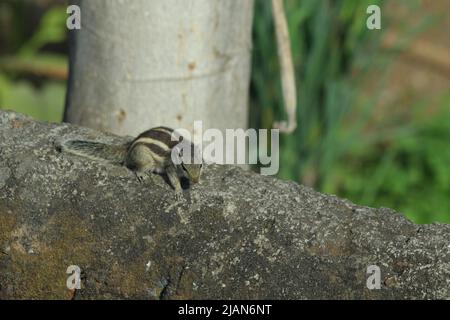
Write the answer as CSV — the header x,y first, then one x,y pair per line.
x,y
151,151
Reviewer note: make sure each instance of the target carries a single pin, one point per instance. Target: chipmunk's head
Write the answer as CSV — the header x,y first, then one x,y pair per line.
x,y
193,171
192,162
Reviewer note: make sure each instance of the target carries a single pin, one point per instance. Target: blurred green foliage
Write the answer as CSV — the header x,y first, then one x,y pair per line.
x,y
45,103
31,79
406,168
332,150
336,149
325,37
51,30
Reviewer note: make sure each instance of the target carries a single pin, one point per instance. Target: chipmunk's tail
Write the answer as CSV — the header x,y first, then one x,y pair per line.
x,y
98,151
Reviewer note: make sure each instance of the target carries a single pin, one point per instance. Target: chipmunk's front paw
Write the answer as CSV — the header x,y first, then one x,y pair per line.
x,y
140,176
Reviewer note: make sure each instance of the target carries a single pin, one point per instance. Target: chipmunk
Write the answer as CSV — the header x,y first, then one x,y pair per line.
x,y
151,151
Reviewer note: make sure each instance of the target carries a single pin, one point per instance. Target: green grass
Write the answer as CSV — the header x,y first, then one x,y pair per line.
x,y
332,150
406,169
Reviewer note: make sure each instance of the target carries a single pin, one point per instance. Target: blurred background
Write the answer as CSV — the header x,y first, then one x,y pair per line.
x,y
373,106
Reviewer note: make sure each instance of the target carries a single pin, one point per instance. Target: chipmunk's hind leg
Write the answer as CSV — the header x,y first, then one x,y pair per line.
x,y
140,161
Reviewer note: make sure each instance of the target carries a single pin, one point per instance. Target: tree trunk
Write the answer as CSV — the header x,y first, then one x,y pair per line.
x,y
138,64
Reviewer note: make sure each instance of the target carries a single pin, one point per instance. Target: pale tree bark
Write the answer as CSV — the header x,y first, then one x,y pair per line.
x,y
140,63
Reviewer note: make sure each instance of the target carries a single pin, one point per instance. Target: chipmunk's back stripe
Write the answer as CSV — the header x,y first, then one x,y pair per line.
x,y
161,134
157,142
164,129
171,132
154,148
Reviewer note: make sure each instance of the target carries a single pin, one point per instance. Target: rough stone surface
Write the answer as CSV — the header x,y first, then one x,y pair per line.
x,y
234,235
